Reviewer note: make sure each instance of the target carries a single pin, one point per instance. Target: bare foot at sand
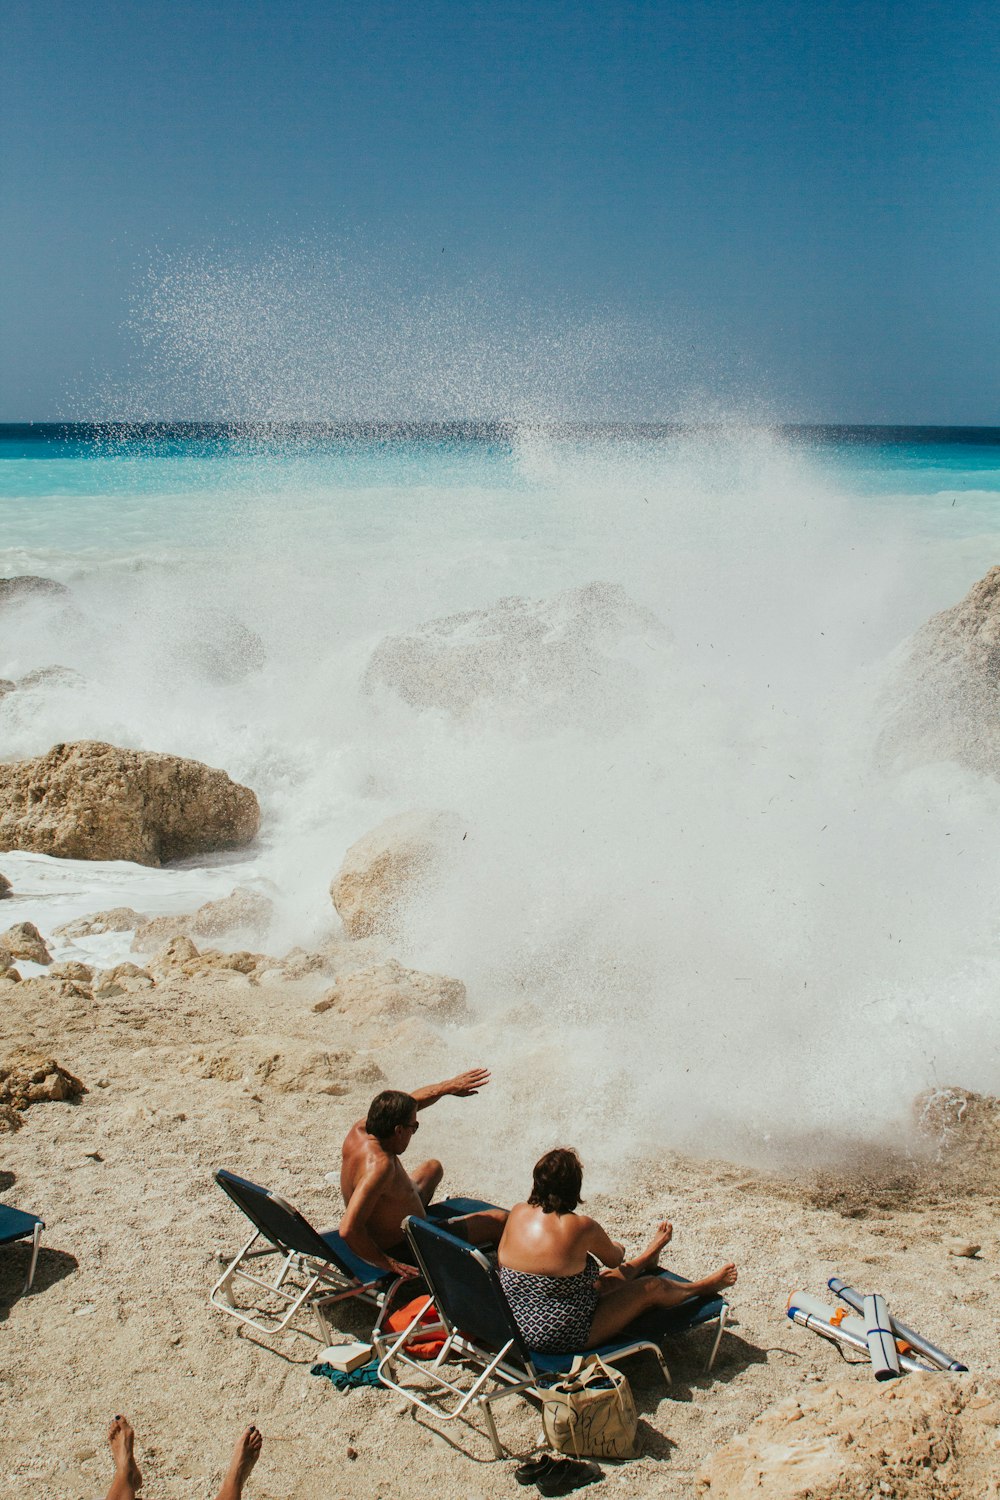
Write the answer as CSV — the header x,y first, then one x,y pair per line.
x,y
121,1441
648,1262
724,1276
245,1455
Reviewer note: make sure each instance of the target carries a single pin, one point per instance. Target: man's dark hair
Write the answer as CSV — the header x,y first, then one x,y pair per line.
x,y
387,1111
557,1180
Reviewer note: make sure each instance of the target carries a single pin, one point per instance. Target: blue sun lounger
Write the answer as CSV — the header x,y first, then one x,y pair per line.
x,y
313,1270
480,1331
15,1225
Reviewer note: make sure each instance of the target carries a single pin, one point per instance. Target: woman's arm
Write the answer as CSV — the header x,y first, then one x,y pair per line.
x,y
598,1242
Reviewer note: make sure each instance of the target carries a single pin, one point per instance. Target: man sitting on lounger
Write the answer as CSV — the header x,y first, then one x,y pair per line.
x,y
379,1193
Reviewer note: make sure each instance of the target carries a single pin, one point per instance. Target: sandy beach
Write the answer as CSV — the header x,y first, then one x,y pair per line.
x,y
214,1070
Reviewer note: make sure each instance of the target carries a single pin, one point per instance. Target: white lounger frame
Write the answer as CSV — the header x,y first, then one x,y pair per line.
x,y
300,1281
36,1241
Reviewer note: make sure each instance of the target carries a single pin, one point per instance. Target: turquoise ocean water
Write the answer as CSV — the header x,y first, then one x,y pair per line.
x,y
689,830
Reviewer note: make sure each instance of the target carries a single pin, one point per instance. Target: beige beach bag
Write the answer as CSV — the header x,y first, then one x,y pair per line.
x,y
591,1413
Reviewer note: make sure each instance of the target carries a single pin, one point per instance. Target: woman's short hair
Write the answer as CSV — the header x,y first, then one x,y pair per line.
x,y
388,1111
556,1181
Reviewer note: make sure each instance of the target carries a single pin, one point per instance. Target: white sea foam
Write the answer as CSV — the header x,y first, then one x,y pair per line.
x,y
721,904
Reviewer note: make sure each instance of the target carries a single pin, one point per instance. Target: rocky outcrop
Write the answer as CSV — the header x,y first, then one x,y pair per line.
x,y
94,801
29,586
6,889
287,1065
117,919
24,940
388,991
924,1437
382,870
948,696
28,1078
565,658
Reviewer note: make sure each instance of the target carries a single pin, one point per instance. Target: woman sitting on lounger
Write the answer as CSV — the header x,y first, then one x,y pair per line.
x,y
549,1254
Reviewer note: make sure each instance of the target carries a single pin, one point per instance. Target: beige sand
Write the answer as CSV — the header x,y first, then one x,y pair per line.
x,y
214,1071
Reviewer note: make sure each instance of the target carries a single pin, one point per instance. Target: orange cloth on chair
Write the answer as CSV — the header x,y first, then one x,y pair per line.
x,y
404,1316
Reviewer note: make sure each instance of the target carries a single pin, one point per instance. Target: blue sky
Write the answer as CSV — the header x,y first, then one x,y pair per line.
x,y
802,196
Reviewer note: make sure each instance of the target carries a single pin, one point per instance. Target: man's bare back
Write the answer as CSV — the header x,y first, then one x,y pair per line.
x,y
364,1156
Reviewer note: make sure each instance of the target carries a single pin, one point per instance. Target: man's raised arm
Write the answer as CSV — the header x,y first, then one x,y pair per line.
x,y
461,1087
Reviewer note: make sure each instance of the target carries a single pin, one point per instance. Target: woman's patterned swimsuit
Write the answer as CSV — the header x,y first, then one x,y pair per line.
x,y
554,1313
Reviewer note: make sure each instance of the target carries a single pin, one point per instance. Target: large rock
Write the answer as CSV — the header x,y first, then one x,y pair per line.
x,y
94,801
24,940
564,658
385,867
6,889
949,692
388,991
923,1437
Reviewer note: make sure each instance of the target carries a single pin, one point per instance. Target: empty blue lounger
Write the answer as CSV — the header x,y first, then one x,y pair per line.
x,y
313,1271
480,1330
15,1225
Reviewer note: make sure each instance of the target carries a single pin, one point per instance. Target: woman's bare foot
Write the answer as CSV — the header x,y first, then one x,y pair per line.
x,y
646,1263
724,1276
121,1441
245,1455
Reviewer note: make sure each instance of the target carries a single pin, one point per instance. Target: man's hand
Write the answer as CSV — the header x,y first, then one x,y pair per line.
x,y
400,1268
467,1083
462,1086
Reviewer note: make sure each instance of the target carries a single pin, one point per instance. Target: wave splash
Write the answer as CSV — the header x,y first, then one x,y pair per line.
x,y
647,671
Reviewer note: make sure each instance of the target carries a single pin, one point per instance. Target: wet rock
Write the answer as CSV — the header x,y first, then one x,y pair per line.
x,y
29,586
117,919
947,699
385,868
566,659
388,991
91,800
6,889
151,935
925,1437
242,910
24,940
54,676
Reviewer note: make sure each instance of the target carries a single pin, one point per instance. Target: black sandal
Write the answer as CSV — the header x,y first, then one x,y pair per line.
x,y
568,1474
534,1469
